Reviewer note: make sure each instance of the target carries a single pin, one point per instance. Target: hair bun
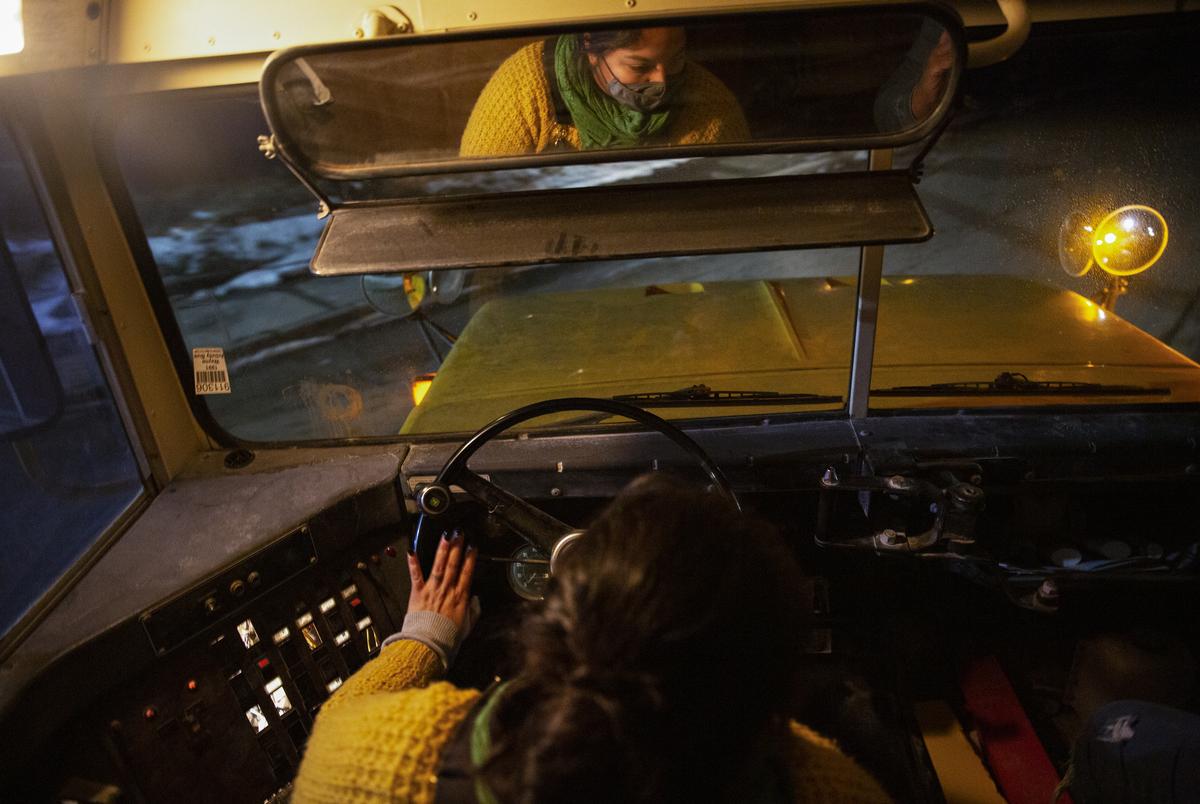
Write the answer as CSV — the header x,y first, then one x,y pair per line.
x,y
582,750
636,690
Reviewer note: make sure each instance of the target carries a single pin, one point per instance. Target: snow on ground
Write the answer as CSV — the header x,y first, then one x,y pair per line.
x,y
270,275
279,243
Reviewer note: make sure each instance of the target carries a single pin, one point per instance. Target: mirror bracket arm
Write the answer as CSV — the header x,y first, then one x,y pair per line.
x,y
324,207
383,21
916,168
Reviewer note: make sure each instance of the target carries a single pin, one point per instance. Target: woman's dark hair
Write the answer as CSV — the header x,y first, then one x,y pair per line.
x,y
661,662
601,42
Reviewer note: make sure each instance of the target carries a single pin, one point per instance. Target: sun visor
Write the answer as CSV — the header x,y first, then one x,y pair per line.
x,y
788,212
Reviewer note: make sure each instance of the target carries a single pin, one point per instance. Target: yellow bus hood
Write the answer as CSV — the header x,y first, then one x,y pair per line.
x,y
792,336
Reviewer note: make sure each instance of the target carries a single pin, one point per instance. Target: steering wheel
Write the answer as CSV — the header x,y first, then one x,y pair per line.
x,y
541,530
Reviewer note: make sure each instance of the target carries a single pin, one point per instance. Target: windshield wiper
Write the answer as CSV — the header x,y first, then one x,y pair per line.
x,y
702,395
1009,383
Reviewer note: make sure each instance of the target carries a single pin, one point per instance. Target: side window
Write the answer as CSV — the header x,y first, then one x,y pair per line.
x,y
66,467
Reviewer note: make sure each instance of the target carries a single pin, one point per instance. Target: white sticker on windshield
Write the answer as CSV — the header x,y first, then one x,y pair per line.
x,y
209,367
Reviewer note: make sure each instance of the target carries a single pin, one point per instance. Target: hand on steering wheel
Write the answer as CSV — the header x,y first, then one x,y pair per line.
x,y
447,589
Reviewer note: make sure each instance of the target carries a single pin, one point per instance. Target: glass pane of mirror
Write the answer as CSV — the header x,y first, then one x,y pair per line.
x,y
754,82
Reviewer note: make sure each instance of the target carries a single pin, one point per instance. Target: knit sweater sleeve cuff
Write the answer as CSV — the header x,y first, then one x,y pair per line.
x,y
435,631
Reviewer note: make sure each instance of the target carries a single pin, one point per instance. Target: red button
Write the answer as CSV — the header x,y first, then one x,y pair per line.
x,y
391,551
263,663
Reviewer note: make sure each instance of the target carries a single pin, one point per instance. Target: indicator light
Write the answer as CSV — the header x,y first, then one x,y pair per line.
x,y
264,663
279,696
312,637
192,685
149,713
257,719
420,387
372,639
248,633
415,289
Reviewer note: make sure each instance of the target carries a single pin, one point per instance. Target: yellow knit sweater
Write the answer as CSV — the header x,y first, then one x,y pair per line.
x,y
381,735
515,113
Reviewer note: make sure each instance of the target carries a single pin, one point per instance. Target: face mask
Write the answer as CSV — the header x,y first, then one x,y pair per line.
x,y
648,96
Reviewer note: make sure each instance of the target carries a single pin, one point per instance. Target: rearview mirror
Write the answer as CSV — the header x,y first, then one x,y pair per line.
x,y
745,82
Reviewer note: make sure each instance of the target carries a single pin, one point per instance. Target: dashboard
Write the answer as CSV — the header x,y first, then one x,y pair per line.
x,y
191,660
231,701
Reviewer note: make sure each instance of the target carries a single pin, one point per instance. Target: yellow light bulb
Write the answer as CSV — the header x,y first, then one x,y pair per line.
x,y
1129,240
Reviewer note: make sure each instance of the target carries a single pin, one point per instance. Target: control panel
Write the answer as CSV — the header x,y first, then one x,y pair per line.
x,y
246,661
174,622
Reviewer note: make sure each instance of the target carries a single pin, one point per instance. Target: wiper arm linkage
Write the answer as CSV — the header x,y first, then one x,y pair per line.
x,y
702,395
1009,383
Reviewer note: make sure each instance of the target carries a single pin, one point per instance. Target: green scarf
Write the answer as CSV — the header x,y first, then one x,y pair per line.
x,y
481,742
602,122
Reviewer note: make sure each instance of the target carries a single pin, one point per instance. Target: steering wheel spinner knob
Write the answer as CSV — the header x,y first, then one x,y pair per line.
x,y
434,499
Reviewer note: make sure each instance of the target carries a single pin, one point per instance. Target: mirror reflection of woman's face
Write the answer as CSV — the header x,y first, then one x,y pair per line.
x,y
653,58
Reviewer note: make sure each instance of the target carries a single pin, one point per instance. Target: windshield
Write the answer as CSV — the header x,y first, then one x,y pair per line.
x,y
1083,121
